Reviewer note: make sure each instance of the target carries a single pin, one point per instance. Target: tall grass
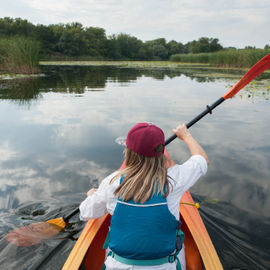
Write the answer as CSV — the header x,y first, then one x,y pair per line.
x,y
225,58
19,55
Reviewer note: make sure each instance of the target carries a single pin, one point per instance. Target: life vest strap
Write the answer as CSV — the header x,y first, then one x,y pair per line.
x,y
107,240
180,237
167,259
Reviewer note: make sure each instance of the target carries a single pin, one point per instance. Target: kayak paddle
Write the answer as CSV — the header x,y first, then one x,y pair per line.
x,y
254,72
34,233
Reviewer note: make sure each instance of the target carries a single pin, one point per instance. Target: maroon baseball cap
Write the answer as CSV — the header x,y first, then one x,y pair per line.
x,y
146,139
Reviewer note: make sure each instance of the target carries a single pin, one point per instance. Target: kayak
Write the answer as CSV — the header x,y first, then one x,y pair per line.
x,y
88,252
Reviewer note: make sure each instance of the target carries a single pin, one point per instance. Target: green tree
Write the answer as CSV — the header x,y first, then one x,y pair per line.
x,y
173,47
193,47
204,44
181,47
47,39
71,41
94,41
17,26
112,48
157,48
250,47
129,46
75,40
214,45
142,53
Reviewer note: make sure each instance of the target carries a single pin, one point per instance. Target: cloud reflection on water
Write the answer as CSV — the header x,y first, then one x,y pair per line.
x,y
22,184
6,153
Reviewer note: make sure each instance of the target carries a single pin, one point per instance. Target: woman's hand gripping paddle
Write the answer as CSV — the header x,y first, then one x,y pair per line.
x,y
35,233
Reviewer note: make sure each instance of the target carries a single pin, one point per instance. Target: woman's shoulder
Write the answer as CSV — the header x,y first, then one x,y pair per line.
x,y
195,162
111,182
183,176
108,179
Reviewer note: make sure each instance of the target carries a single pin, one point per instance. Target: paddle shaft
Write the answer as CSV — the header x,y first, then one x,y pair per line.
x,y
252,73
198,117
73,213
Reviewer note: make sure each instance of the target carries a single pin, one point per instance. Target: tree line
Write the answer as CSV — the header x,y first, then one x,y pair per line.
x,y
76,41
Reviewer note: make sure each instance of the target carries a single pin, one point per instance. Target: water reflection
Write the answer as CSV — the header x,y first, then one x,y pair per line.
x,y
57,139
78,80
20,90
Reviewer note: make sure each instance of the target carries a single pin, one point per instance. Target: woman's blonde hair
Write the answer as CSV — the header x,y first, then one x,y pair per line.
x,y
143,176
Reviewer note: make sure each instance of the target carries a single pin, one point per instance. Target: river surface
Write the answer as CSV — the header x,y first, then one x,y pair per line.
x,y
57,140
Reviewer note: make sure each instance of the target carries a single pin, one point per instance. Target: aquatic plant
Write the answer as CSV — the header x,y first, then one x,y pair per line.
x,y
19,55
226,58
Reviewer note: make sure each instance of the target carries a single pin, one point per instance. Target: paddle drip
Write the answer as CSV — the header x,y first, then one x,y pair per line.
x,y
35,233
121,140
32,234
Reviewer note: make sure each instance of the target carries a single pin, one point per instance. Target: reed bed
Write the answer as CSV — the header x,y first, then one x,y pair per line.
x,y
19,55
225,58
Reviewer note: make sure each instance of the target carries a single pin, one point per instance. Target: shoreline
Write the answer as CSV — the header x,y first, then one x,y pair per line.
x,y
143,64
198,69
14,76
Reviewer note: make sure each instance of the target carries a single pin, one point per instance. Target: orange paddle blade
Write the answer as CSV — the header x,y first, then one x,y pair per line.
x,y
255,71
58,222
32,234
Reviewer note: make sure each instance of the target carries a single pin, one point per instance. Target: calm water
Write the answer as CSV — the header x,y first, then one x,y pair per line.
x,y
57,139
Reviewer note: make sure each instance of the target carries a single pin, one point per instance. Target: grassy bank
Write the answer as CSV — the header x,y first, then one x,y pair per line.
x,y
153,65
227,58
19,56
128,64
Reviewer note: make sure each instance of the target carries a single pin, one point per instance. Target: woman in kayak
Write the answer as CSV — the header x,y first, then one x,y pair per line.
x,y
143,200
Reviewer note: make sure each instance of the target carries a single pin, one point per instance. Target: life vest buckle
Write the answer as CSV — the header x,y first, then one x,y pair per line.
x,y
171,258
178,243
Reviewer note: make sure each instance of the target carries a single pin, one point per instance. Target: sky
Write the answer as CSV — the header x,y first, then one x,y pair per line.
x,y
236,23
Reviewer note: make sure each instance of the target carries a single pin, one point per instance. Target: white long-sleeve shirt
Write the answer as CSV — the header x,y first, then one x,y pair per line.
x,y
103,201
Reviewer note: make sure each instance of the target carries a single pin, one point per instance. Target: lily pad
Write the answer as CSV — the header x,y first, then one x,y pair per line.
x,y
211,201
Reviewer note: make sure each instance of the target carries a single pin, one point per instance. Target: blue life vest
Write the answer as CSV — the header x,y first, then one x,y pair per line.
x,y
143,231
